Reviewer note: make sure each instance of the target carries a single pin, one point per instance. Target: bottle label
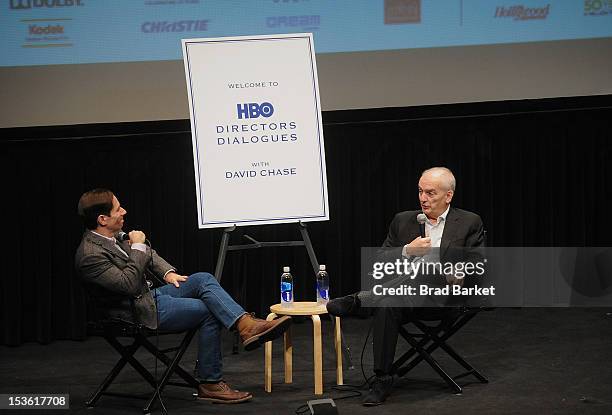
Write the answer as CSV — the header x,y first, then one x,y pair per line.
x,y
286,292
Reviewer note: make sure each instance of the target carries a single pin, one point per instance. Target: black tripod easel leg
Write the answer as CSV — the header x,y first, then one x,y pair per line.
x,y
223,251
309,248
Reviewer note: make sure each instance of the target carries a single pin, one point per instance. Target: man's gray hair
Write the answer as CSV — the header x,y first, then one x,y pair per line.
x,y
444,172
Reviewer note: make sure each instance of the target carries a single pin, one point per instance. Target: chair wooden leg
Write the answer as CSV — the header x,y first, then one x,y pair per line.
x,y
288,353
318,355
268,360
338,345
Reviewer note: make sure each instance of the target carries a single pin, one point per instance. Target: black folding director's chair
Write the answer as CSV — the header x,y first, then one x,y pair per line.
x,y
436,326
113,330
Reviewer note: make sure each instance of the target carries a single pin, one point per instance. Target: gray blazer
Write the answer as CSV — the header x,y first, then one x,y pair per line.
x,y
119,282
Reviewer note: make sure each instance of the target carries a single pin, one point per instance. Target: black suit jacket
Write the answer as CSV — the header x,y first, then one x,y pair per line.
x,y
462,229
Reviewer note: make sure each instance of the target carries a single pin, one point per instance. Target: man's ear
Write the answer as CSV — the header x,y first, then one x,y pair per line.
x,y
101,220
449,196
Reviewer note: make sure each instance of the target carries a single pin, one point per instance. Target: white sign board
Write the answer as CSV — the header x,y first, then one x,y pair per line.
x,y
256,128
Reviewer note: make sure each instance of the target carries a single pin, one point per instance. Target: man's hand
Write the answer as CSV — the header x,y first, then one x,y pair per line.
x,y
452,280
137,237
419,246
174,278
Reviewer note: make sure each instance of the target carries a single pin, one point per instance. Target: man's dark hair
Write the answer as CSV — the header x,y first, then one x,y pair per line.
x,y
94,203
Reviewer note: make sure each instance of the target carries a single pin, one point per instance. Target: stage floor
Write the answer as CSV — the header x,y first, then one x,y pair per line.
x,y
537,361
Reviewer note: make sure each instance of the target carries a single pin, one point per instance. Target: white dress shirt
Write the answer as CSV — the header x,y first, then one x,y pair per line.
x,y
435,233
139,246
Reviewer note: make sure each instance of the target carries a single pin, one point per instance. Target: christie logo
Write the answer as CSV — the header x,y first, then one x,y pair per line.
x,y
402,11
45,30
253,110
178,26
520,12
29,4
597,7
305,22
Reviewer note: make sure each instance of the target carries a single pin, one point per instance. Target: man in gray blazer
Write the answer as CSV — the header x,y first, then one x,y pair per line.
x,y
447,228
119,274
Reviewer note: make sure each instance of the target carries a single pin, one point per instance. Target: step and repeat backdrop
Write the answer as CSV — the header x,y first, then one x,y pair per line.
x,y
41,32
87,61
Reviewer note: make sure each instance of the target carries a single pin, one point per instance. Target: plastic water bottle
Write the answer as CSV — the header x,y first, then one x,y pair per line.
x,y
286,287
322,285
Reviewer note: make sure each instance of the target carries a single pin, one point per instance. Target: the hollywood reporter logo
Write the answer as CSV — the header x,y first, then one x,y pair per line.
x,y
254,110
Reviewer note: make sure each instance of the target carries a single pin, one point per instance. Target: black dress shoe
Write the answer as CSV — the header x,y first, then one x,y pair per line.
x,y
379,390
343,306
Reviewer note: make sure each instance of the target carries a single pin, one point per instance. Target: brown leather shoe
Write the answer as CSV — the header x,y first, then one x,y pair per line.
x,y
221,392
254,331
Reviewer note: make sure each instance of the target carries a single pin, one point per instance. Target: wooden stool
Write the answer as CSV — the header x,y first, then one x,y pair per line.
x,y
313,310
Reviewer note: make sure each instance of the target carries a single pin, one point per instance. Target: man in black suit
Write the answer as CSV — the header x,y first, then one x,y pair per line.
x,y
446,228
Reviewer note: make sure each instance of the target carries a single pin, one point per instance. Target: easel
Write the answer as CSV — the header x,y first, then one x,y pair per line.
x,y
225,247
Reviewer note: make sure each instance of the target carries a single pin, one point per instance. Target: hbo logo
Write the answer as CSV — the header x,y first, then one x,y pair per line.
x,y
253,110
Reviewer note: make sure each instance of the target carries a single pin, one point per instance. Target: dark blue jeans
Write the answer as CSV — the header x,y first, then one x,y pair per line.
x,y
199,302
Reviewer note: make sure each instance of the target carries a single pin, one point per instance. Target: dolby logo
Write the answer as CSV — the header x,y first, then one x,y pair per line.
x,y
35,4
46,30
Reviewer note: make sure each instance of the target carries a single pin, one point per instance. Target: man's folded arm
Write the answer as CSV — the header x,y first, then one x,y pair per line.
x,y
99,270
159,267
